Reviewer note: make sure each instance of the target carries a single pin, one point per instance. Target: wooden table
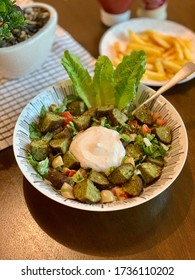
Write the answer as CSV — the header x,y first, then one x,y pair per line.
x,y
34,227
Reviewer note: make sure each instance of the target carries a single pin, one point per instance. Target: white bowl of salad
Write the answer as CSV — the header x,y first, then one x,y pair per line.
x,y
84,149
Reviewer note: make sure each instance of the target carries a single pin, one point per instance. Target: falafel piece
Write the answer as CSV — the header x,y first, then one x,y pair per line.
x,y
90,112
121,174
144,115
86,191
76,108
134,186
149,171
64,133
99,179
58,179
70,161
60,145
134,150
51,122
82,122
39,149
104,110
163,134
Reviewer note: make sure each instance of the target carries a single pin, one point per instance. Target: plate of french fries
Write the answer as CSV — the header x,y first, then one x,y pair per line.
x,y
168,46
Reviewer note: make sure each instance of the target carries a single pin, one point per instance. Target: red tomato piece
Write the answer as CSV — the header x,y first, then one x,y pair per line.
x,y
71,172
156,116
145,129
161,122
67,117
121,194
134,124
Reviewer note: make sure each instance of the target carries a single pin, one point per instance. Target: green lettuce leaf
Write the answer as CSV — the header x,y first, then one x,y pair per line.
x,y
42,167
34,132
103,81
125,93
80,77
127,77
108,86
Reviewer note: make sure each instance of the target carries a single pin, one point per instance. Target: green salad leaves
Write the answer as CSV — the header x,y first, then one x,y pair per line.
x,y
108,85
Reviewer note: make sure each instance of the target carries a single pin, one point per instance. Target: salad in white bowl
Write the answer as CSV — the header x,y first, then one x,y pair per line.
x,y
87,149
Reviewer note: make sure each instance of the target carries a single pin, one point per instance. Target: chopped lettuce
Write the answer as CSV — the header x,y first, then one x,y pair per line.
x,y
42,167
43,111
34,132
125,137
108,86
155,148
58,109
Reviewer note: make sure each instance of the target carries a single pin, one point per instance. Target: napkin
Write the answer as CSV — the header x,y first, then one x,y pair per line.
x,y
16,94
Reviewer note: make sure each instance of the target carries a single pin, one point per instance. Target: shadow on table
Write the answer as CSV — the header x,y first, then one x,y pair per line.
x,y
116,233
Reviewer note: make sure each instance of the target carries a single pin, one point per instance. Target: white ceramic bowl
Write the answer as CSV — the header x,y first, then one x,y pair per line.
x,y
23,58
55,94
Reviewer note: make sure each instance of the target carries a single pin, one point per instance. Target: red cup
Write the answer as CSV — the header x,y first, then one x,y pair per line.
x,y
116,6
115,11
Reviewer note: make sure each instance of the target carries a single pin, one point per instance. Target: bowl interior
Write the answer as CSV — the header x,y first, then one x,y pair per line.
x,y
175,159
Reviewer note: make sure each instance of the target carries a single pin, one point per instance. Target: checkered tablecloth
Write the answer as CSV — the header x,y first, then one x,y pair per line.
x,y
15,94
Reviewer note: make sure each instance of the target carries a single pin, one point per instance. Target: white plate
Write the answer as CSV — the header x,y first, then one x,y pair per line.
x,y
175,160
119,32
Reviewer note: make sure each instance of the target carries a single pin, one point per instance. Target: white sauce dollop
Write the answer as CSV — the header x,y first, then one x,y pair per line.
x,y
98,148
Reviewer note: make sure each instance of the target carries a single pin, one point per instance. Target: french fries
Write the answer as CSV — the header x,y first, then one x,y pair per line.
x,y
165,54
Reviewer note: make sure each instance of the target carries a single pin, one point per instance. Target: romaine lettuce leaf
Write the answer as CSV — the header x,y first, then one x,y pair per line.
x,y
127,77
80,77
108,86
103,81
125,93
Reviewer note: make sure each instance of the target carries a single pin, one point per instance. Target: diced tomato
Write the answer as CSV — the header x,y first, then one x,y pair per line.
x,y
68,172
158,119
65,170
67,117
156,116
121,194
71,172
134,124
161,122
145,129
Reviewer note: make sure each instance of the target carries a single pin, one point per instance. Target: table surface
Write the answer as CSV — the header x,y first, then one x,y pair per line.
x,y
34,227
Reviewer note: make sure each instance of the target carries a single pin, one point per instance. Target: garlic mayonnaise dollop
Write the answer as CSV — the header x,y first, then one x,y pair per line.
x,y
98,148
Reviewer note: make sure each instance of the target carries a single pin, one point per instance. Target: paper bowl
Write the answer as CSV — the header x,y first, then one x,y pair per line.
x,y
175,159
